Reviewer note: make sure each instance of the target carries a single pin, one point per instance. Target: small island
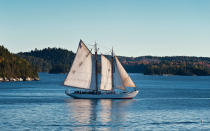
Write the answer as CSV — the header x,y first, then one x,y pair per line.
x,y
14,68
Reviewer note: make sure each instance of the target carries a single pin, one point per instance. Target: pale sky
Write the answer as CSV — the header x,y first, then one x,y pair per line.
x,y
132,27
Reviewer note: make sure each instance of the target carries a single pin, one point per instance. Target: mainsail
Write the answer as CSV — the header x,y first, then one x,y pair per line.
x,y
106,74
81,74
121,76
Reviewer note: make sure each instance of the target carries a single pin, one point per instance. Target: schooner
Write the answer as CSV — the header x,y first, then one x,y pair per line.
x,y
83,78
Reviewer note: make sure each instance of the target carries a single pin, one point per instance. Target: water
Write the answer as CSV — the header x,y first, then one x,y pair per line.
x,y
164,103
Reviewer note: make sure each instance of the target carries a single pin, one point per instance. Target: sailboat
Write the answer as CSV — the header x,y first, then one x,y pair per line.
x,y
83,77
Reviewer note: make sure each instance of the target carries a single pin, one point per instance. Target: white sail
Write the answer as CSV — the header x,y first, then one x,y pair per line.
x,y
106,74
81,71
118,83
125,78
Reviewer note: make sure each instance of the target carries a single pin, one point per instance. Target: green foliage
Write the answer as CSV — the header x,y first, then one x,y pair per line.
x,y
12,66
39,64
176,65
181,69
59,69
52,60
57,60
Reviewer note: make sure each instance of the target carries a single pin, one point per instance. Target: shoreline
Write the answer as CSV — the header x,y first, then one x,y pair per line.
x,y
5,79
141,73
172,75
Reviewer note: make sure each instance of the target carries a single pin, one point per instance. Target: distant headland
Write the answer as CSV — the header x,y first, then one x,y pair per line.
x,y
14,68
26,65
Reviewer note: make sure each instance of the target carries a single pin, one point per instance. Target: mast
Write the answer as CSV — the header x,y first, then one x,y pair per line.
x,y
112,61
96,66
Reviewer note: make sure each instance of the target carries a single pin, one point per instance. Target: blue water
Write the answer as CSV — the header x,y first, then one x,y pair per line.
x,y
164,103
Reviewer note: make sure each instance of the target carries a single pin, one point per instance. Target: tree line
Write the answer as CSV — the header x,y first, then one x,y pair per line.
x,y
176,65
52,60
12,66
58,60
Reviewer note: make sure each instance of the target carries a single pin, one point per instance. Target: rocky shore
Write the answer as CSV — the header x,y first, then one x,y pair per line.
x,y
5,79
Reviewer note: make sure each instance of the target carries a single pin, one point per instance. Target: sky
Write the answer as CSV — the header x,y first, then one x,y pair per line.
x,y
131,27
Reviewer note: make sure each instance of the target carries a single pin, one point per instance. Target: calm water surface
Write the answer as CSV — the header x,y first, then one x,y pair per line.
x,y
164,103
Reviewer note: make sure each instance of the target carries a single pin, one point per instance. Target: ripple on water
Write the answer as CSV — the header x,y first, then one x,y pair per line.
x,y
166,103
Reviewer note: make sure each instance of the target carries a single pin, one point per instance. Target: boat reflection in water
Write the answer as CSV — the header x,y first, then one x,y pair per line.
x,y
96,114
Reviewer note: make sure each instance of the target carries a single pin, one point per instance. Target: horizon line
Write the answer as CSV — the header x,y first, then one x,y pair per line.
x,y
118,55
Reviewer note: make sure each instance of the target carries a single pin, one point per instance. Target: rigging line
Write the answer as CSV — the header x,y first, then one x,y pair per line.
x,y
100,45
91,45
107,49
104,46
106,53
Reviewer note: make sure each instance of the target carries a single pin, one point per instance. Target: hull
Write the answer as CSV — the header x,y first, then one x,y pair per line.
x,y
124,95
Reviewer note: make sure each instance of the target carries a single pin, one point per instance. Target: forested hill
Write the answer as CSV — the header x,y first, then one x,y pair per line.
x,y
14,68
53,60
174,65
57,60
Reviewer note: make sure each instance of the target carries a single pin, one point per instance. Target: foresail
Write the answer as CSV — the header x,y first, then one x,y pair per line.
x,y
106,74
125,78
81,70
